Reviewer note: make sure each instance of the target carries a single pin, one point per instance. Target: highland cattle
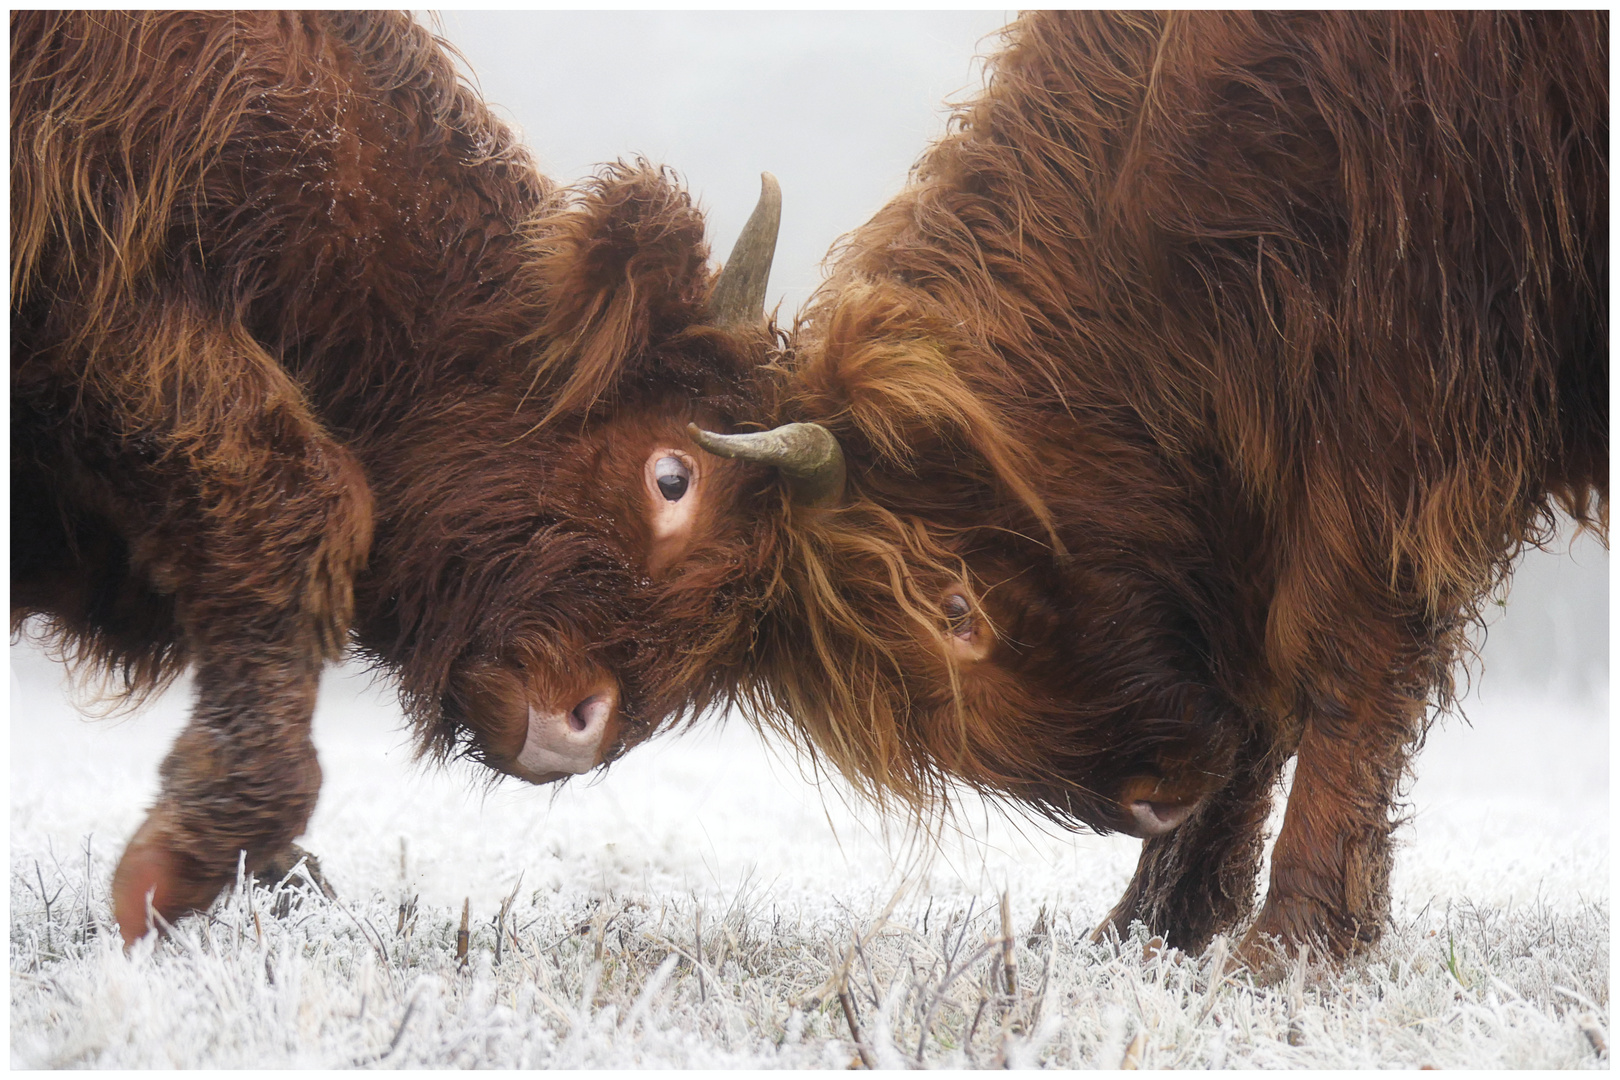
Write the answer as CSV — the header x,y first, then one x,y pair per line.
x,y
1177,420
303,345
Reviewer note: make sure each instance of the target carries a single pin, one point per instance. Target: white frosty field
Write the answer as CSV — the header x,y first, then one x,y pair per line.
x,y
696,906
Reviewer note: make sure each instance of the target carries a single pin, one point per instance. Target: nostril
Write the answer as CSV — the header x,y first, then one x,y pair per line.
x,y
590,713
562,741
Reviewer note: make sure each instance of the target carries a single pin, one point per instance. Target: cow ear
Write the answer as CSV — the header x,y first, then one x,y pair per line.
x,y
620,265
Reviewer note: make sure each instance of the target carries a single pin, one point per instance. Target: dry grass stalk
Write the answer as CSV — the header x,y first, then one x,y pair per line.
x,y
372,936
399,1032
1040,931
1040,993
1594,1034
1133,1052
854,1024
871,979
599,925
501,916
978,1014
1009,961
697,939
461,935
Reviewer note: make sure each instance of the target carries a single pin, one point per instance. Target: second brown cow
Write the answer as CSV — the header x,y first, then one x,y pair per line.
x,y
1191,400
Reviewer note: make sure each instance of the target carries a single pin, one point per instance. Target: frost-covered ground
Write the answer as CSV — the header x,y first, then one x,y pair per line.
x,y
698,905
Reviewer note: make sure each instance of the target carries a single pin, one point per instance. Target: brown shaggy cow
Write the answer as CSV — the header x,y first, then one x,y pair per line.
x,y
1204,381
300,337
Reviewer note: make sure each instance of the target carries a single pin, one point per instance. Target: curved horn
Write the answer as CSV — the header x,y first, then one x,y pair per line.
x,y
807,454
738,299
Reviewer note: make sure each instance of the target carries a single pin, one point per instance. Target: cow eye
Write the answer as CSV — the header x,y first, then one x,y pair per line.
x,y
673,478
959,614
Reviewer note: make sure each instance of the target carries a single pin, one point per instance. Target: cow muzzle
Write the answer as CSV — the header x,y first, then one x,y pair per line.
x,y
1152,807
565,742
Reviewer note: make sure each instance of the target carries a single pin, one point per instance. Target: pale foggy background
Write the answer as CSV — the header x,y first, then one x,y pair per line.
x,y
837,105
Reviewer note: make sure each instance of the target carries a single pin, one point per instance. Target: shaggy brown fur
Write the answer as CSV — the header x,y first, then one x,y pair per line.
x,y
285,299
1225,362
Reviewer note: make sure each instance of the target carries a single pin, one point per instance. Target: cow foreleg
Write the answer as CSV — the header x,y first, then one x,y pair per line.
x,y
1195,882
242,776
1330,865
235,502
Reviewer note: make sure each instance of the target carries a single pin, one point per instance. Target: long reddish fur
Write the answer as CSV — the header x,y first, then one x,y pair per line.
x,y
302,342
1231,359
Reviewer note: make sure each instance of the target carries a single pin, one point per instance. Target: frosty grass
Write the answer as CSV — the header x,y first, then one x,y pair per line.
x,y
704,906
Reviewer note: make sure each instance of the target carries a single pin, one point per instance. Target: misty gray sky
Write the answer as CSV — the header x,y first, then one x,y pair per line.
x,y
838,105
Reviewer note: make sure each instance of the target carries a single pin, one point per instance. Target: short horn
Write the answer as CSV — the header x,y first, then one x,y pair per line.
x,y
738,299
807,454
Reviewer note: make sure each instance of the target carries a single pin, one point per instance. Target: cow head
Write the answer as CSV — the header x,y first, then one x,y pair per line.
x,y
1004,599
560,569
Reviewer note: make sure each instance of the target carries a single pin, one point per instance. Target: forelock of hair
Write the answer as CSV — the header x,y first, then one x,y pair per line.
x,y
621,263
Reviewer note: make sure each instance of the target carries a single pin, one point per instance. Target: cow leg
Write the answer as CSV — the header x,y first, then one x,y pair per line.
x,y
1330,865
237,504
242,776
1197,881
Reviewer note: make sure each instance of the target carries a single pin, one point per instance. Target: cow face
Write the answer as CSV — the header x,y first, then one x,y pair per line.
x,y
1080,683
634,578
969,657
567,570
1009,602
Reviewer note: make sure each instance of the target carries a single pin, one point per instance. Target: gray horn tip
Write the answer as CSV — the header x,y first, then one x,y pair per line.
x,y
738,299
807,455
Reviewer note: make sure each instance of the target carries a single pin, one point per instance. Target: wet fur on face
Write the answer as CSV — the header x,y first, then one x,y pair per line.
x,y
1096,670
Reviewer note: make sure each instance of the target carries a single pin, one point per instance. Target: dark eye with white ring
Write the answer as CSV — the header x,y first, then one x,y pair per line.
x,y
673,477
959,615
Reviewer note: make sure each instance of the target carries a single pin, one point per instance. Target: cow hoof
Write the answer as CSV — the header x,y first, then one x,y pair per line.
x,y
1261,957
283,876
1112,931
156,882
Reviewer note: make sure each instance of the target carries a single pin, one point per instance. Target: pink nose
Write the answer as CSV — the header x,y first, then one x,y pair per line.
x,y
571,741
1157,818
